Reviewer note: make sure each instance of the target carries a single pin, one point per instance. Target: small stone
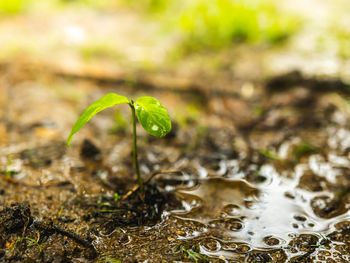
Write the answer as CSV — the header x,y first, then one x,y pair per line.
x,y
180,233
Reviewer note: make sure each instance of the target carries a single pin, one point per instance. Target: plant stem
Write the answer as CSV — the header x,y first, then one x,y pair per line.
x,y
136,162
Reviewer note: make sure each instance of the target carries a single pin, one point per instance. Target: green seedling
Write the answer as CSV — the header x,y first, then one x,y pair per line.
x,y
197,257
191,253
60,212
271,155
303,149
152,115
111,260
31,243
9,173
116,197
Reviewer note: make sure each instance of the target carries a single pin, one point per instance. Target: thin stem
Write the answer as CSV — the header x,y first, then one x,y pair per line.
x,y
136,162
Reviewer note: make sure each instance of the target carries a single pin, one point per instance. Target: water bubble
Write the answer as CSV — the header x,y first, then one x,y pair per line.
x,y
232,210
271,241
227,224
210,245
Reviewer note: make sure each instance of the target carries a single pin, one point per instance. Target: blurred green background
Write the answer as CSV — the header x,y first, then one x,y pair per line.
x,y
153,34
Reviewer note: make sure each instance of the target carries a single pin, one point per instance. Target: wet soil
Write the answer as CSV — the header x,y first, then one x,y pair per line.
x,y
258,174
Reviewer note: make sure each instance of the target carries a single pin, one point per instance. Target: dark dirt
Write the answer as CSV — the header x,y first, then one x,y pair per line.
x,y
259,179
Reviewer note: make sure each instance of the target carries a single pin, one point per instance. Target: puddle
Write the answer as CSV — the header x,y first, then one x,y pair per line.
x,y
264,216
215,195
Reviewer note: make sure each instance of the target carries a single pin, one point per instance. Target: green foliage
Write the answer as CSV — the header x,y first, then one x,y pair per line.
x,y
116,197
153,116
91,4
31,243
191,253
8,173
60,212
333,38
105,102
338,39
304,148
216,23
111,260
11,6
343,38
149,6
197,257
219,23
271,155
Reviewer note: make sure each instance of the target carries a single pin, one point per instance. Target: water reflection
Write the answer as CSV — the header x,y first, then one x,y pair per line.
x,y
265,216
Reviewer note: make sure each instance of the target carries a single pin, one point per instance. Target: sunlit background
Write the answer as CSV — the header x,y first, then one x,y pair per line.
x,y
193,36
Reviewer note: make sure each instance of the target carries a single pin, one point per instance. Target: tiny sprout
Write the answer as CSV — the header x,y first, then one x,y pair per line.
x,y
152,115
116,197
111,260
197,257
32,242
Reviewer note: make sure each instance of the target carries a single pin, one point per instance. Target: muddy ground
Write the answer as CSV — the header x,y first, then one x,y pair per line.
x,y
254,173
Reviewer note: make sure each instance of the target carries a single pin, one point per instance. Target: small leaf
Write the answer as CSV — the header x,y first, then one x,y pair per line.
x,y
105,102
153,116
116,197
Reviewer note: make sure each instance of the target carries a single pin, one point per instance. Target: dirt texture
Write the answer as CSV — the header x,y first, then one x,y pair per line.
x,y
258,178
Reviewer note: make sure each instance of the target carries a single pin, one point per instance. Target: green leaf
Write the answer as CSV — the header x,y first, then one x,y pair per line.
x,y
107,101
112,260
153,116
116,197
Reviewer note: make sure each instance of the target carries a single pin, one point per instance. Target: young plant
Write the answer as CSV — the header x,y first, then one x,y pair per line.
x,y
152,115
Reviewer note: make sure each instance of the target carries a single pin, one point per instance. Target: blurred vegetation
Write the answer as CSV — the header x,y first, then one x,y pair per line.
x,y
219,23
343,37
201,23
216,23
197,25
11,6
337,38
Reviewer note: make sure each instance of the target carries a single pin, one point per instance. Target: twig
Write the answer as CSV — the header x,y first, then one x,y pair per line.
x,y
19,182
136,187
50,229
